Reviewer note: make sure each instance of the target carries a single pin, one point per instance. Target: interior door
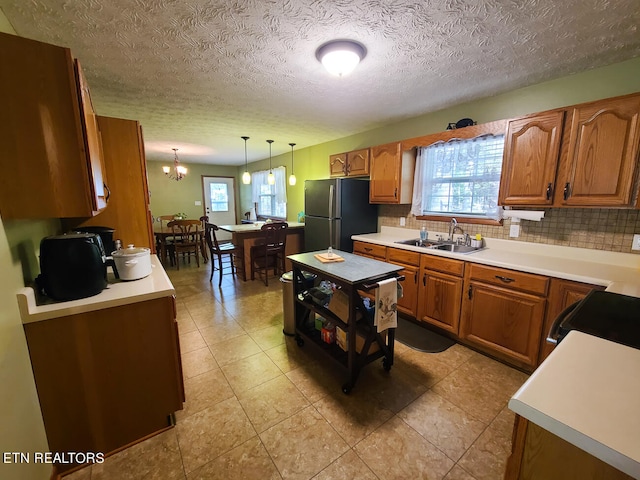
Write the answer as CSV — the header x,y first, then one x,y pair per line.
x,y
219,195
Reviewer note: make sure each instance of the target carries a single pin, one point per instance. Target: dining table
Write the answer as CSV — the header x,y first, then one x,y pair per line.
x,y
245,235
163,235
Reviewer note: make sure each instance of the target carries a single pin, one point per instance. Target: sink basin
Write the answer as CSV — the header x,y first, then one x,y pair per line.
x,y
452,247
440,245
416,242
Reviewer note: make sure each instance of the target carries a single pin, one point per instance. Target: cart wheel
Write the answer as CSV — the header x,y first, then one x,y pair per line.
x,y
300,341
386,364
346,388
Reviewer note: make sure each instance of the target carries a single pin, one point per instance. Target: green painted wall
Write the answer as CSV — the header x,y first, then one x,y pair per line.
x,y
22,427
169,196
313,162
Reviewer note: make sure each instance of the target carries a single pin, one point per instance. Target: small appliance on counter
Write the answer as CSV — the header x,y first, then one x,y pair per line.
x,y
72,266
108,242
132,263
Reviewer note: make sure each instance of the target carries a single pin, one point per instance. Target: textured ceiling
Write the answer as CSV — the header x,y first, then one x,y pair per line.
x,y
200,74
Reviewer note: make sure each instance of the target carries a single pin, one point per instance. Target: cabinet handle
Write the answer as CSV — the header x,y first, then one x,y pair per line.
x,y
567,188
505,279
470,292
415,278
106,199
395,193
424,280
549,191
368,249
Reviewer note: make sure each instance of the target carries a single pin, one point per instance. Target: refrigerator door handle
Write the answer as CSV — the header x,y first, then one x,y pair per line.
x,y
331,193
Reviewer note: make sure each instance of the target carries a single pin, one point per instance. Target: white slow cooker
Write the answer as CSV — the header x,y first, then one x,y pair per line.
x,y
132,263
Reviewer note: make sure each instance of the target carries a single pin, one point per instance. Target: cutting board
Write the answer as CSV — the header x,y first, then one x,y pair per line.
x,y
325,258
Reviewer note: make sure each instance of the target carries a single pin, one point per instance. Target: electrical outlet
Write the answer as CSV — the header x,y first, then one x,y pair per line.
x,y
636,242
514,231
403,221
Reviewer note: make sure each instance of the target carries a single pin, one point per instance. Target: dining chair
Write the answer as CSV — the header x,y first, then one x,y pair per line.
x,y
269,253
164,243
219,251
186,239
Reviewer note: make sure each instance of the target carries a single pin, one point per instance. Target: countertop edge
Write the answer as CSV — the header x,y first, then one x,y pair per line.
x,y
575,437
156,285
566,410
615,278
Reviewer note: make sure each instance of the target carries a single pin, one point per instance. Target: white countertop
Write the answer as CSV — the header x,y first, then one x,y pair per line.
x,y
587,392
619,272
118,292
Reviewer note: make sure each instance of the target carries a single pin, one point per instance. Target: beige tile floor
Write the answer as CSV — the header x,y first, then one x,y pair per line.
x,y
260,407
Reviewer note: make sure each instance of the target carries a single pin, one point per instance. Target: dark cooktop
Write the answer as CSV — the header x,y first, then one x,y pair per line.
x,y
607,315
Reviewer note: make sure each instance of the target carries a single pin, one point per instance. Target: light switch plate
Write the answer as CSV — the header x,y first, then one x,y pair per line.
x,y
403,221
514,231
198,203
636,242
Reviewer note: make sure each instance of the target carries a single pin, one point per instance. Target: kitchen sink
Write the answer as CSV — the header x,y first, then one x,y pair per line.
x,y
452,247
416,242
441,245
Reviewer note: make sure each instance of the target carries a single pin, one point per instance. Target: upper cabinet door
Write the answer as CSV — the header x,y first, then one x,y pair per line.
x,y
44,141
599,165
338,165
93,145
384,186
358,163
531,152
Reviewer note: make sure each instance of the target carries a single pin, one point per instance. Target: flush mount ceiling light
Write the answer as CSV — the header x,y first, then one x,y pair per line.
x,y
178,170
246,176
340,57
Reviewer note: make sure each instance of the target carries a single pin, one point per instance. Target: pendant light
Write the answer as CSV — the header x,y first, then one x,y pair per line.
x,y
246,176
271,179
292,177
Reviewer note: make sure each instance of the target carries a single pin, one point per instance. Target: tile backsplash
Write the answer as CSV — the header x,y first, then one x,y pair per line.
x,y
598,229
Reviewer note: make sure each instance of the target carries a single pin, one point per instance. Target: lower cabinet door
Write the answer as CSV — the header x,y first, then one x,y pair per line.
x,y
503,322
440,297
409,302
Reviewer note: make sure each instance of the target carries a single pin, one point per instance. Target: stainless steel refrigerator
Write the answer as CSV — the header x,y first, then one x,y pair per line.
x,y
335,209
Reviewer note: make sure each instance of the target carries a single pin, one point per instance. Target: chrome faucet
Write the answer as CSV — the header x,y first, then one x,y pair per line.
x,y
453,226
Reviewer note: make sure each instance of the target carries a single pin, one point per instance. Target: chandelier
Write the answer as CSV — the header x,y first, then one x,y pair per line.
x,y
178,170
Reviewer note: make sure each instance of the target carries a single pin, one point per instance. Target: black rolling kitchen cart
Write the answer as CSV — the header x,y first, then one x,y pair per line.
x,y
352,276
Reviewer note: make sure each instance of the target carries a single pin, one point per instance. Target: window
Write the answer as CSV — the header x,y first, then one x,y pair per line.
x,y
219,195
271,199
460,177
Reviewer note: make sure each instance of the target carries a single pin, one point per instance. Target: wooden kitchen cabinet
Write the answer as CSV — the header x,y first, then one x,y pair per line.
x,y
49,138
580,156
537,453
503,312
562,294
109,377
350,164
128,210
440,292
599,158
531,152
391,175
370,250
410,261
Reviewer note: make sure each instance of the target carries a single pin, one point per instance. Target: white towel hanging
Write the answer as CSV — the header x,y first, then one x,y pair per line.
x,y
386,305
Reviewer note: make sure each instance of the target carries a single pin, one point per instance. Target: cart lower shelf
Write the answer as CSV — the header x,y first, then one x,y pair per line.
x,y
341,358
